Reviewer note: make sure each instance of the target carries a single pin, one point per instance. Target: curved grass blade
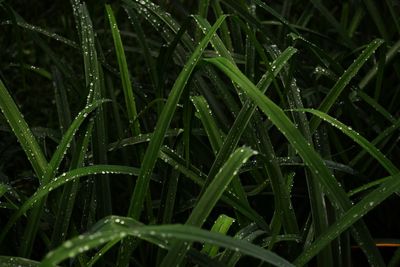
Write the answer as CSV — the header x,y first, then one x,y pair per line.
x,y
50,172
381,138
53,166
42,31
123,68
67,139
141,138
367,146
114,227
314,162
66,177
21,130
343,81
208,200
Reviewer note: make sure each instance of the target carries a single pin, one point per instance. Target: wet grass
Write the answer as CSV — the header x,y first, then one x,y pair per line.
x,y
206,133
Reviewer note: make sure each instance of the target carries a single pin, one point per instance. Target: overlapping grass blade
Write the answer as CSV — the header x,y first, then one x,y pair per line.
x,y
240,125
52,168
344,80
207,201
66,177
198,178
114,228
349,218
314,162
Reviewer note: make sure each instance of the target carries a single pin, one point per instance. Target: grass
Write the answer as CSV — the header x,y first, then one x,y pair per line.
x,y
208,133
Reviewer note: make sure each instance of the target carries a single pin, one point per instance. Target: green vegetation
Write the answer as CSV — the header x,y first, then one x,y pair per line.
x,y
199,133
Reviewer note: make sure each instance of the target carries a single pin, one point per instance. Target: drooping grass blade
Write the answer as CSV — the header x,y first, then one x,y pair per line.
x,y
314,162
114,227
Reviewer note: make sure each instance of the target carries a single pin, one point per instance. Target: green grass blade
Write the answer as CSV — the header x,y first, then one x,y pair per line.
x,y
21,130
66,140
221,225
314,162
125,78
344,80
114,227
66,177
208,200
367,146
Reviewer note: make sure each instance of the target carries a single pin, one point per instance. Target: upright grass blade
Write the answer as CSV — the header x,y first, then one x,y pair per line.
x,y
344,80
150,157
21,130
331,187
114,228
123,68
162,125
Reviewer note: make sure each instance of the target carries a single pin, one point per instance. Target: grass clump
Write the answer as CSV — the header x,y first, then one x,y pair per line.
x,y
206,133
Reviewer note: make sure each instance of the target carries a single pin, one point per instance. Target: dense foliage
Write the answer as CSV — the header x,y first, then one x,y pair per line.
x,y
199,133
